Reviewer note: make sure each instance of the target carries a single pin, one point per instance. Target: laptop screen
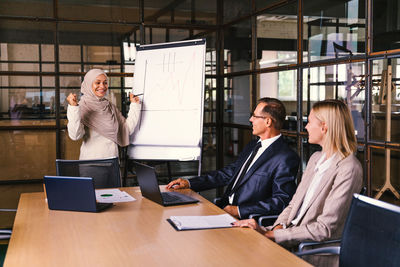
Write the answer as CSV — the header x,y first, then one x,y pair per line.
x,y
148,183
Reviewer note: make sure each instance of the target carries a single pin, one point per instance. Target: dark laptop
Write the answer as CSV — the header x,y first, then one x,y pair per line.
x,y
72,193
148,183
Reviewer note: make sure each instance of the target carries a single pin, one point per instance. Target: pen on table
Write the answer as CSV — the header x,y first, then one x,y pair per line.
x,y
138,94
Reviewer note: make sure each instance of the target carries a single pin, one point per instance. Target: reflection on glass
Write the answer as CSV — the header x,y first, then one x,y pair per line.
x,y
209,149
234,142
237,42
26,103
70,68
260,4
385,183
210,100
19,52
277,36
386,118
237,100
116,11
47,52
385,19
69,53
103,54
30,154
181,12
178,35
155,35
344,81
34,8
334,29
281,85
235,9
211,61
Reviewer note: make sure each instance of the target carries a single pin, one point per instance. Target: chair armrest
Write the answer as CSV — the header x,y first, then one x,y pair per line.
x,y
217,201
267,220
254,216
335,250
264,220
5,234
302,245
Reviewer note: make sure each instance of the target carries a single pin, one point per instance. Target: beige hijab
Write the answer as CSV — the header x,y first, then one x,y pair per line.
x,y
100,114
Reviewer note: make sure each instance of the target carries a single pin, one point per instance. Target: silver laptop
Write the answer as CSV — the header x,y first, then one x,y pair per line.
x,y
148,183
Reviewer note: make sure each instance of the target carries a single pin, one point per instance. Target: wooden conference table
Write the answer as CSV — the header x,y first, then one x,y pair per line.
x,y
133,234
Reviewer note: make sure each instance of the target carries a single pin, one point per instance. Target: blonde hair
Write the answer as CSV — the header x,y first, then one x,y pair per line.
x,y
340,135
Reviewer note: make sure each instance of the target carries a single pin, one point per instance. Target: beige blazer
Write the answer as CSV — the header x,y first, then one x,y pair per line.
x,y
327,211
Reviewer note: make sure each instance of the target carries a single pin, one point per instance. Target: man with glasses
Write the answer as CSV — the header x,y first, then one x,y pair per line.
x,y
262,179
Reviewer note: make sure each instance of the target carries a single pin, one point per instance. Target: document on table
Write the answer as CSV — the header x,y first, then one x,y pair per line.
x,y
201,222
113,196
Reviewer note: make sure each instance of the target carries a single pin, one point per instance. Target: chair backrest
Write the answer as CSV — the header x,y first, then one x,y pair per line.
x,y
371,236
105,172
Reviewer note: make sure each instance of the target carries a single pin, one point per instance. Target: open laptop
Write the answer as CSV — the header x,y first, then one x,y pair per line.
x,y
72,193
148,183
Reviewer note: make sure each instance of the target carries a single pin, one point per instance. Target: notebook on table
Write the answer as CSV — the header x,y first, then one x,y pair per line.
x,y
148,184
72,193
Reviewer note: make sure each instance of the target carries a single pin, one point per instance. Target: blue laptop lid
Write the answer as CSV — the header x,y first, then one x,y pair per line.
x,y
70,193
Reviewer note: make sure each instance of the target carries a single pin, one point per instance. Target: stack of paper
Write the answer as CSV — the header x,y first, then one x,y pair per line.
x,y
112,196
201,222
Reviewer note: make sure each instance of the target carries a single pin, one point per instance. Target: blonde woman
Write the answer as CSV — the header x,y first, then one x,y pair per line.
x,y
319,207
97,120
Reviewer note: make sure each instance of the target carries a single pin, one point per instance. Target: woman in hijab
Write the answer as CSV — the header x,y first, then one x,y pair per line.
x,y
97,120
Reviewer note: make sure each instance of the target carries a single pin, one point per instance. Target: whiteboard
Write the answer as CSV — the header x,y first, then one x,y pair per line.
x,y
171,78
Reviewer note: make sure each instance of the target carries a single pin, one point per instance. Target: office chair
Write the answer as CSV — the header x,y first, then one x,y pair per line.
x,y
371,235
5,234
105,172
264,220
316,244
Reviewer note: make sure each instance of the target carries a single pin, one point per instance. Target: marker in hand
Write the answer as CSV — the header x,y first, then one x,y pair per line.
x,y
132,98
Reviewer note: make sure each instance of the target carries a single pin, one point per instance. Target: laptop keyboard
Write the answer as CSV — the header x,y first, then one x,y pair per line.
x,y
169,197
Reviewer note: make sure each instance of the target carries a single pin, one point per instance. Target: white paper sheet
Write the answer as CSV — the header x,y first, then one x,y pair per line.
x,y
113,196
202,222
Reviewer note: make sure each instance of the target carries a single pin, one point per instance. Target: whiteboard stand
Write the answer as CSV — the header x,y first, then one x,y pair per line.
x,y
170,79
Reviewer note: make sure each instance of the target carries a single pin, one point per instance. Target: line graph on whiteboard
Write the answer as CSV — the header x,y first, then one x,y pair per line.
x,y
172,82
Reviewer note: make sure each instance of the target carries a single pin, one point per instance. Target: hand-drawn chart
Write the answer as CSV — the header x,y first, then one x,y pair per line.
x,y
171,78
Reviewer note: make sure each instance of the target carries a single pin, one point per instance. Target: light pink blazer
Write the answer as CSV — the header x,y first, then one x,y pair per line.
x,y
327,211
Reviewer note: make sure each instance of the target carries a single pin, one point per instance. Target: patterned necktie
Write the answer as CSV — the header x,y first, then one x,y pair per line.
x,y
244,169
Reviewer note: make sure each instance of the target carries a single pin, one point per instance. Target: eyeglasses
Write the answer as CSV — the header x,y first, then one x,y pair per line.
x,y
257,117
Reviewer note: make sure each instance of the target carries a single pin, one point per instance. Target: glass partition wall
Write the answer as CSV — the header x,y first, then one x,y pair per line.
x,y
300,51
304,51
47,46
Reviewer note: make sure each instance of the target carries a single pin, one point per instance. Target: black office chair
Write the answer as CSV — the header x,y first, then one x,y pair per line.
x,y
371,235
105,172
5,234
264,220
315,244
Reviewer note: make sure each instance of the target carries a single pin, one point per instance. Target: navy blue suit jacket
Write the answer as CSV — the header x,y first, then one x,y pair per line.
x,y
266,188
